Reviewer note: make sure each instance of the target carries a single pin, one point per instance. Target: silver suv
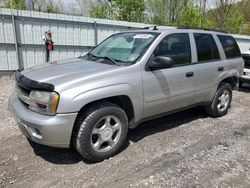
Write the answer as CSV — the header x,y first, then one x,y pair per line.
x,y
90,102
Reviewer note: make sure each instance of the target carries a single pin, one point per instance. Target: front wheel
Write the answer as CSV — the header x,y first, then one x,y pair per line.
x,y
100,132
221,102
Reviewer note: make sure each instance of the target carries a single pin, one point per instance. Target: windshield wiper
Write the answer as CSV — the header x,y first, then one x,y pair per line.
x,y
105,57
91,55
111,60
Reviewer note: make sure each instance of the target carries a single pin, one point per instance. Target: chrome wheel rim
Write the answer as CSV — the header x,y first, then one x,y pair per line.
x,y
223,100
106,133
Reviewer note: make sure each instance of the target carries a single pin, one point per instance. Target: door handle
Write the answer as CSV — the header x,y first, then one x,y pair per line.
x,y
220,69
189,74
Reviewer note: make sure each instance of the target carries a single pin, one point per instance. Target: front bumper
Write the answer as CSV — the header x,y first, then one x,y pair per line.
x,y
43,129
246,76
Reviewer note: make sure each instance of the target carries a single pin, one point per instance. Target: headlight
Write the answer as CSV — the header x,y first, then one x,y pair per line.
x,y
44,102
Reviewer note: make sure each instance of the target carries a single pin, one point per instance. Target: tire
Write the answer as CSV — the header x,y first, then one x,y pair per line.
x,y
105,122
216,110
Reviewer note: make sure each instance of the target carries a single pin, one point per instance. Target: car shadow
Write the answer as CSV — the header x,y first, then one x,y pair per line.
x,y
245,88
56,155
70,156
165,123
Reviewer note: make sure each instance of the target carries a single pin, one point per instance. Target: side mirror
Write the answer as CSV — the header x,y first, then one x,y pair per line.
x,y
160,62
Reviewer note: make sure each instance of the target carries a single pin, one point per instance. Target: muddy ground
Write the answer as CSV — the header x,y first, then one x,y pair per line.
x,y
186,149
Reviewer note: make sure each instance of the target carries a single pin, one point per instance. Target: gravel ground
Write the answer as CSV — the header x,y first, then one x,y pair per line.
x,y
186,149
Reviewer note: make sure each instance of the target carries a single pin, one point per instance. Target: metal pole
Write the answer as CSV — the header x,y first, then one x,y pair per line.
x,y
20,64
95,31
47,55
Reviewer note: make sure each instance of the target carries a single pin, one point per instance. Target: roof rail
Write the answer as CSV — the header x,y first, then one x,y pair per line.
x,y
198,28
153,27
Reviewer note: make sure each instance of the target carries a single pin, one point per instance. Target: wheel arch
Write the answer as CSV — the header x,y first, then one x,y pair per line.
x,y
123,101
232,80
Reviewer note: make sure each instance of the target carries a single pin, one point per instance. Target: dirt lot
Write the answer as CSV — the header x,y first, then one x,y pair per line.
x,y
187,149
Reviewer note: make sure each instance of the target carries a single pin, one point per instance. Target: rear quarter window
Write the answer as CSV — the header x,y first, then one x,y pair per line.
x,y
230,46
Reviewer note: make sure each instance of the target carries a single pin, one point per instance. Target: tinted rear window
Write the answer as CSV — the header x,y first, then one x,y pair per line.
x,y
230,46
206,47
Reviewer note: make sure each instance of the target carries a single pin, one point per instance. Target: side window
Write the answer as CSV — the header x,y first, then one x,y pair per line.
x,y
175,46
206,47
230,46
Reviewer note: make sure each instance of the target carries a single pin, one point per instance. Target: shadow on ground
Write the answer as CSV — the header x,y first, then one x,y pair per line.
x,y
245,88
165,123
70,156
56,155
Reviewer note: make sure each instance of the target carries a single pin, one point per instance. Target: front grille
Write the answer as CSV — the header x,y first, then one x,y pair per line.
x,y
24,91
25,104
23,95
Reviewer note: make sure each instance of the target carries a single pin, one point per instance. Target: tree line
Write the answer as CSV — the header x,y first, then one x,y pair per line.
x,y
36,5
229,15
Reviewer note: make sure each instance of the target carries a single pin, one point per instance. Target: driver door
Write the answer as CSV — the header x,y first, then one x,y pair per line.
x,y
170,88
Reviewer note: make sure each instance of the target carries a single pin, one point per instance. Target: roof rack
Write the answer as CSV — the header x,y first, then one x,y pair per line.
x,y
198,28
153,27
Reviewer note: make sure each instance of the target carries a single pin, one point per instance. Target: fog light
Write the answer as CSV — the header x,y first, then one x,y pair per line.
x,y
36,133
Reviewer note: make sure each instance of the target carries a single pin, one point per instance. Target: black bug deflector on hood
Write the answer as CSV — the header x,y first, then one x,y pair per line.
x,y
31,84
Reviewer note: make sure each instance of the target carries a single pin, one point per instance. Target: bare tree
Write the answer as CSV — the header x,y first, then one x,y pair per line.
x,y
85,5
45,5
165,11
223,9
201,5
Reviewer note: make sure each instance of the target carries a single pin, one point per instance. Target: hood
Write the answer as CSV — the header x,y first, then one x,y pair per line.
x,y
61,72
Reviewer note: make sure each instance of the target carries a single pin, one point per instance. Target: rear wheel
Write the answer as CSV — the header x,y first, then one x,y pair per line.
x,y
221,102
100,132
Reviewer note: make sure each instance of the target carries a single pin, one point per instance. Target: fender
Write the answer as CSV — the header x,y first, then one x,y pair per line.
x,y
218,80
80,100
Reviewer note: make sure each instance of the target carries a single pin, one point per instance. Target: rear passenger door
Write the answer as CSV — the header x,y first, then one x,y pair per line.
x,y
209,65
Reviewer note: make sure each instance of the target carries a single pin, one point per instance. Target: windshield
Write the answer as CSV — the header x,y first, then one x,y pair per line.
x,y
124,47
